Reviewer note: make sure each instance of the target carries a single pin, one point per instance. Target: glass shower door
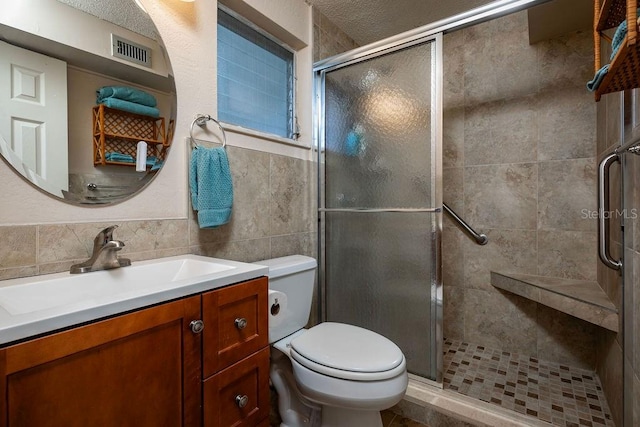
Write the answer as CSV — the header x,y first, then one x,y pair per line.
x,y
380,197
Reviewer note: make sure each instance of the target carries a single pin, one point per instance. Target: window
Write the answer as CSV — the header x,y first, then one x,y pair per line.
x,y
255,78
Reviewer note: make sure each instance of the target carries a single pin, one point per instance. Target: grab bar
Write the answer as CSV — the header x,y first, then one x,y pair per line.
x,y
480,238
603,211
604,251
630,147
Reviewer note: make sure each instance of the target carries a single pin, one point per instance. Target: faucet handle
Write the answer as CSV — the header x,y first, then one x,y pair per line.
x,y
104,236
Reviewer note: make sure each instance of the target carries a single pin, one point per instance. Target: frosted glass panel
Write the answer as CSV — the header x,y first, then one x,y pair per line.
x,y
378,131
380,267
378,275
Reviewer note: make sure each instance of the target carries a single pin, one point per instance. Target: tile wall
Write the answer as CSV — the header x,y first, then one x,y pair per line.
x,y
273,215
519,165
329,40
632,306
631,353
631,290
610,118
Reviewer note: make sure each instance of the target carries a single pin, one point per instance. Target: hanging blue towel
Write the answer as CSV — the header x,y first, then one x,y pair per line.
x,y
592,85
211,186
126,94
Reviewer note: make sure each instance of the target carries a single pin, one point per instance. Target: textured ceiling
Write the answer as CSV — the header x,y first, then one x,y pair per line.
x,y
124,13
367,21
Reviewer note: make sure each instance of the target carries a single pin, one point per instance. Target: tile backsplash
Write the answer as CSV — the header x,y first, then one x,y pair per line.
x,y
273,215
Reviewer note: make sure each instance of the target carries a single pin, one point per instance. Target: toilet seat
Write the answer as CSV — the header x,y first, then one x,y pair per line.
x,y
348,352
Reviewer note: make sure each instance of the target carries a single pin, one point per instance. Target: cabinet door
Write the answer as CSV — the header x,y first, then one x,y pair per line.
x,y
138,369
236,323
239,395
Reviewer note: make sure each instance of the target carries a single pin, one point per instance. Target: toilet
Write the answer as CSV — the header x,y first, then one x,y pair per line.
x,y
330,375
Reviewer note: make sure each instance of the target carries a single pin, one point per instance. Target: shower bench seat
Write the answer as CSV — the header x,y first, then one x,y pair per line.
x,y
579,298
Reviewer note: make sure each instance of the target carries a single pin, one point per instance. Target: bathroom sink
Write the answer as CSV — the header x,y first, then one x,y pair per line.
x,y
54,300
69,289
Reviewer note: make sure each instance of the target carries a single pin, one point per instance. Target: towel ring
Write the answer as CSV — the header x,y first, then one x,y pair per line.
x,y
201,120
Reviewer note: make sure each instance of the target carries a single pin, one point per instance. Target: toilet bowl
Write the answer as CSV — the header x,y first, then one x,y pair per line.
x,y
330,375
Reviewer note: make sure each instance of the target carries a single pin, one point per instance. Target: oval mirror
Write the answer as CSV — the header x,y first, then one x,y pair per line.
x,y
87,97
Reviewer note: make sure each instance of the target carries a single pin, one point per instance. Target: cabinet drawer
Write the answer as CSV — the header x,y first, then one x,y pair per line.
x,y
239,395
236,323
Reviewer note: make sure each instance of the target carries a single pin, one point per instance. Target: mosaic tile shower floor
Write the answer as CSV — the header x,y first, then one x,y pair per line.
x,y
558,394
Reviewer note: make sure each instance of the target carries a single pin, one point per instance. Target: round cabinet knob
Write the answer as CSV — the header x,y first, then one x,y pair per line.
x,y
241,323
242,400
196,326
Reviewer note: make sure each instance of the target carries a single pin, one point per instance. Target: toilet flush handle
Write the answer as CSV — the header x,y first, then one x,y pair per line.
x,y
241,323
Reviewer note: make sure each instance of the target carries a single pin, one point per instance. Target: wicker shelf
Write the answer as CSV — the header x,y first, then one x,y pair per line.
x,y
120,131
624,70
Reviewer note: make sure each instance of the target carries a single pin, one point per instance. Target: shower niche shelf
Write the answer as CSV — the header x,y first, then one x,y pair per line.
x,y
624,69
579,298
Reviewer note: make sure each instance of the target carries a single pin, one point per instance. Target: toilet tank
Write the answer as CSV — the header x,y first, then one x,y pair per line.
x,y
295,277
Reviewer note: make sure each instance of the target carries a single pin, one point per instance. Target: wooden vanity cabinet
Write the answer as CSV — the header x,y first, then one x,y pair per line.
x,y
137,369
145,368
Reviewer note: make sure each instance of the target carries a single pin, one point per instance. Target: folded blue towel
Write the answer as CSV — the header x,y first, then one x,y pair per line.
x,y
126,94
156,165
618,37
592,85
114,156
154,162
131,107
211,186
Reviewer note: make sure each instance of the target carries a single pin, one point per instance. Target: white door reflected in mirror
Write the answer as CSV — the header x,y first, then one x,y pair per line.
x,y
33,116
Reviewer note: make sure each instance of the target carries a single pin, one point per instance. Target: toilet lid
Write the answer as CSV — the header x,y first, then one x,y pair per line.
x,y
347,351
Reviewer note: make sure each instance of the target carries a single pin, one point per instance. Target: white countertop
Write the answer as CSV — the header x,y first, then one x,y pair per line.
x,y
37,305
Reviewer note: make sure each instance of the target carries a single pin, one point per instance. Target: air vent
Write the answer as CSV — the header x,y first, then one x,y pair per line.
x,y
129,51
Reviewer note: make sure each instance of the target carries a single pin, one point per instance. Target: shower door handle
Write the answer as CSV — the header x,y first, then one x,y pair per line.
x,y
604,213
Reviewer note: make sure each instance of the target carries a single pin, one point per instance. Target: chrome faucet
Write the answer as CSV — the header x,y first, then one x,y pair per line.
x,y
104,255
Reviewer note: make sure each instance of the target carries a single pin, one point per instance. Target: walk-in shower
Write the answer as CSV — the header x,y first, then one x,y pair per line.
x,y
379,133
381,141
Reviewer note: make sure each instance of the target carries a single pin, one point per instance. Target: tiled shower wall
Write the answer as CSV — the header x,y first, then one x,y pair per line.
x,y
328,39
619,357
273,215
519,165
610,116
631,296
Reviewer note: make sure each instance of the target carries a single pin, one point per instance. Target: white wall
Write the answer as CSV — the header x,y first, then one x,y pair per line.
x,y
189,34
